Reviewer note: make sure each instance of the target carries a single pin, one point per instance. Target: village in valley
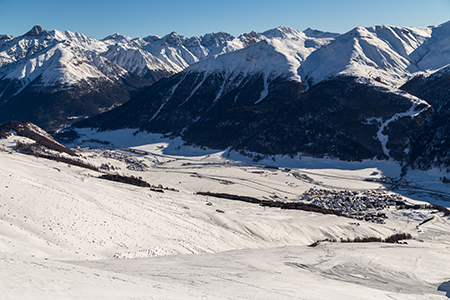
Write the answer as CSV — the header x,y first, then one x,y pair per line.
x,y
366,205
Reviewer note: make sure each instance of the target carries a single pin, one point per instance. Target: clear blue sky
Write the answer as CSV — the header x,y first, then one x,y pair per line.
x,y
140,18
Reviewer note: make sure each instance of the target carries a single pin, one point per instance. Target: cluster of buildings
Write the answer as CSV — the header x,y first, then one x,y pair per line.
x,y
361,205
133,163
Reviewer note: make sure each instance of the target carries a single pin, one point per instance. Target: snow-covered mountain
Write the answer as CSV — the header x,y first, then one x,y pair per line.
x,y
277,52
33,46
223,91
155,57
40,68
292,92
388,54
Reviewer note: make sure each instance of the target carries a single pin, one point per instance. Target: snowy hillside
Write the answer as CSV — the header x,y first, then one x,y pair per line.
x,y
388,54
63,58
435,52
280,52
156,57
127,221
41,67
66,233
382,53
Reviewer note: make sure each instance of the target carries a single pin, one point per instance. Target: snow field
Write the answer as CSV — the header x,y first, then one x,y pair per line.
x,y
77,215
66,234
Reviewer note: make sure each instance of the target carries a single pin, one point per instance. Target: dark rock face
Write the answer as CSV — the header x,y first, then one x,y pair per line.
x,y
37,31
175,103
334,118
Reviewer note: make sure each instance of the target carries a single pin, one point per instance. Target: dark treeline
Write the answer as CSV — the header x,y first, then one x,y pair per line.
x,y
126,179
137,182
390,239
269,203
439,208
36,150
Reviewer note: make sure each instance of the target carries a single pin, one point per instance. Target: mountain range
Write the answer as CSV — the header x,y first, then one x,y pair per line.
x,y
55,77
373,92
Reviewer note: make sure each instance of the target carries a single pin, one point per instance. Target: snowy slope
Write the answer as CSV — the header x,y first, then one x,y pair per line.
x,y
40,68
64,64
129,54
138,61
435,52
51,213
52,210
38,39
158,57
389,54
330,271
60,58
280,52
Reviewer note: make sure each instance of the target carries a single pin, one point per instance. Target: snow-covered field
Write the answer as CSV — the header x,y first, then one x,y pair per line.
x,y
67,234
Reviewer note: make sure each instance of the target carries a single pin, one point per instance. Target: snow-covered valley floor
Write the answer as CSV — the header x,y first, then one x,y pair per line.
x,y
67,234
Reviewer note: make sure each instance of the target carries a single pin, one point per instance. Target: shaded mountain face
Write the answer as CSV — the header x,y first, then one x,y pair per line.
x,y
433,88
57,105
432,148
340,118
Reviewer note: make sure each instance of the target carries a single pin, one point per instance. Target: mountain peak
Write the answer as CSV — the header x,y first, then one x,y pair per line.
x,y
281,31
174,39
222,36
151,38
444,28
445,24
117,36
37,30
250,38
4,37
287,29
314,33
